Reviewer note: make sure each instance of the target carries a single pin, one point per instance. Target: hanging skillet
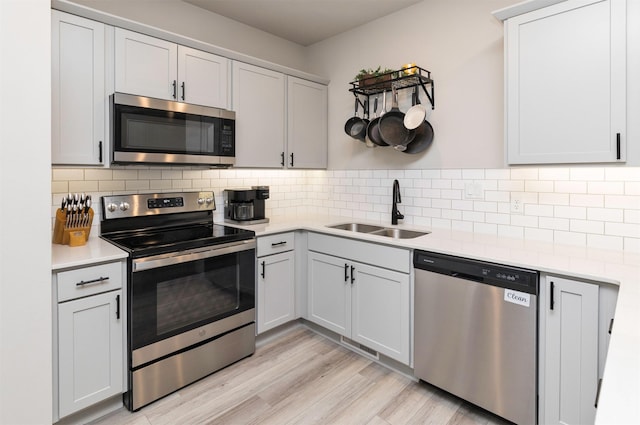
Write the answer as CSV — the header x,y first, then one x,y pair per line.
x,y
423,136
392,129
373,131
355,126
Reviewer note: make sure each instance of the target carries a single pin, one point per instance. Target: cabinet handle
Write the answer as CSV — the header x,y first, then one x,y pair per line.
x,y
100,151
617,145
551,300
183,90
598,393
352,274
87,282
279,243
292,159
610,326
118,307
346,272
262,273
282,159
175,89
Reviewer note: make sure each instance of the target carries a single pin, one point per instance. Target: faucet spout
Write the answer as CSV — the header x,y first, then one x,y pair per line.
x,y
395,214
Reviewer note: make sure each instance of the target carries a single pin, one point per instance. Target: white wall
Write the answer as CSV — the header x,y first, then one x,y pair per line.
x,y
191,21
461,43
25,231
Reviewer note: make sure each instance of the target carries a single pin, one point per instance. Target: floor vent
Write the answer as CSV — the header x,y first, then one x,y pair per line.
x,y
361,348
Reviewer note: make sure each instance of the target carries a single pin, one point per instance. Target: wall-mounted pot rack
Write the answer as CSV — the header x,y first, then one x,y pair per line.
x,y
401,79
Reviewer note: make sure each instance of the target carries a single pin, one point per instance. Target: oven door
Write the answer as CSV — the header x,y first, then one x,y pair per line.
x,y
181,299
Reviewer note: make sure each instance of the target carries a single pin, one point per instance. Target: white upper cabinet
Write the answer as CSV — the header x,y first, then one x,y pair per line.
x,y
78,96
148,66
204,78
566,83
306,124
259,102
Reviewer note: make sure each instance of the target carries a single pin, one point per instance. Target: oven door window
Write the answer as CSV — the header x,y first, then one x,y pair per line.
x,y
169,300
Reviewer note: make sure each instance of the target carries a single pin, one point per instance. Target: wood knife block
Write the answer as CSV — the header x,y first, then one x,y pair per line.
x,y
61,233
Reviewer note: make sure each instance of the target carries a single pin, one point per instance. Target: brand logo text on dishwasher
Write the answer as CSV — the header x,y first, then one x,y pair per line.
x,y
517,297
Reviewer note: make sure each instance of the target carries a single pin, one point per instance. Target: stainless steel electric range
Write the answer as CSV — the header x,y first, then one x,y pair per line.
x,y
190,289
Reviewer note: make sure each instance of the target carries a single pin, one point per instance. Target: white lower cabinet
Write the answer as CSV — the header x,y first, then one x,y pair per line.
x,y
276,281
90,337
363,302
575,320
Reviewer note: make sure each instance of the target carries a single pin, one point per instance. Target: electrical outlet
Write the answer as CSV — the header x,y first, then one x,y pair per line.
x,y
517,204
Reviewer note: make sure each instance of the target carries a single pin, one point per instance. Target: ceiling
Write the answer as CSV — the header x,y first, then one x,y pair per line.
x,y
303,21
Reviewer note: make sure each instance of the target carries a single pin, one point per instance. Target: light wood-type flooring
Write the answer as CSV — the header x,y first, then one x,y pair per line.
x,y
301,377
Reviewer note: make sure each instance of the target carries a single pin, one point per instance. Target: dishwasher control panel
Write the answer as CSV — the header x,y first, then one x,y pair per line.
x,y
495,274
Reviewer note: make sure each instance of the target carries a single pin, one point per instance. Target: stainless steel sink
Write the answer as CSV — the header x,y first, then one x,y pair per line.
x,y
357,227
399,233
379,230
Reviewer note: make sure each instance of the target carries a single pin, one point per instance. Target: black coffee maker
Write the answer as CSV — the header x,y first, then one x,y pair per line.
x,y
246,206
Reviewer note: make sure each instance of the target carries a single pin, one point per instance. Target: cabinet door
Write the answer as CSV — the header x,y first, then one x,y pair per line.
x,y
90,351
571,352
203,78
329,293
306,124
276,290
381,311
259,102
145,66
78,97
566,83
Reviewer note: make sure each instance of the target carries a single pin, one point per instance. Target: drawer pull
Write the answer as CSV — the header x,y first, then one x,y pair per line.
x,y
273,245
87,282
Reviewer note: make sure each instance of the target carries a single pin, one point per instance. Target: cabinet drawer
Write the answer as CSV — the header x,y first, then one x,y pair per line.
x,y
89,281
274,244
389,257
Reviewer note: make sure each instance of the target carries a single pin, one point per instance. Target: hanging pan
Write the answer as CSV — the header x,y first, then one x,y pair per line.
x,y
392,129
373,130
423,136
355,126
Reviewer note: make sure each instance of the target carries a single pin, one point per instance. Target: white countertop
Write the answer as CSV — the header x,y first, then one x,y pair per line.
x,y
95,251
620,394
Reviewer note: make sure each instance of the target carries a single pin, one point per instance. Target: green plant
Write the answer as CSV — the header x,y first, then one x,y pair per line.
x,y
369,73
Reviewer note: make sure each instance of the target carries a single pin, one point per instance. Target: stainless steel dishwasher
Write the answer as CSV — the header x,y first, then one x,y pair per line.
x,y
476,332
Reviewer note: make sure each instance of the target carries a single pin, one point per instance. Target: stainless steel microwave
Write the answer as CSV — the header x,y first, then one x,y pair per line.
x,y
156,131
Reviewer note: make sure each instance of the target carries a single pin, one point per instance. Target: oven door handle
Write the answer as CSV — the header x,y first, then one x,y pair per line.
x,y
163,260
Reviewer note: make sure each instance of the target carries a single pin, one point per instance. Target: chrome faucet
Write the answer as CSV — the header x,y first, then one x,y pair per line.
x,y
395,214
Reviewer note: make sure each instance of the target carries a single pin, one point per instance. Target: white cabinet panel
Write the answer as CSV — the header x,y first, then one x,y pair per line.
x,y
204,78
259,103
566,83
78,97
329,293
381,310
571,352
306,124
276,290
145,66
90,335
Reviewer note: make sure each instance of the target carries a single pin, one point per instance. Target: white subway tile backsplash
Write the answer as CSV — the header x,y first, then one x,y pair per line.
x,y
594,206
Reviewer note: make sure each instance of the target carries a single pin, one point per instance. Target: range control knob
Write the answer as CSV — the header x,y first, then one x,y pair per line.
x,y
200,201
208,201
112,207
124,206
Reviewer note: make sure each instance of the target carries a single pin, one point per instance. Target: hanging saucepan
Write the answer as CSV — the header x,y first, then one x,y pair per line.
x,y
392,129
373,131
367,140
423,135
355,126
